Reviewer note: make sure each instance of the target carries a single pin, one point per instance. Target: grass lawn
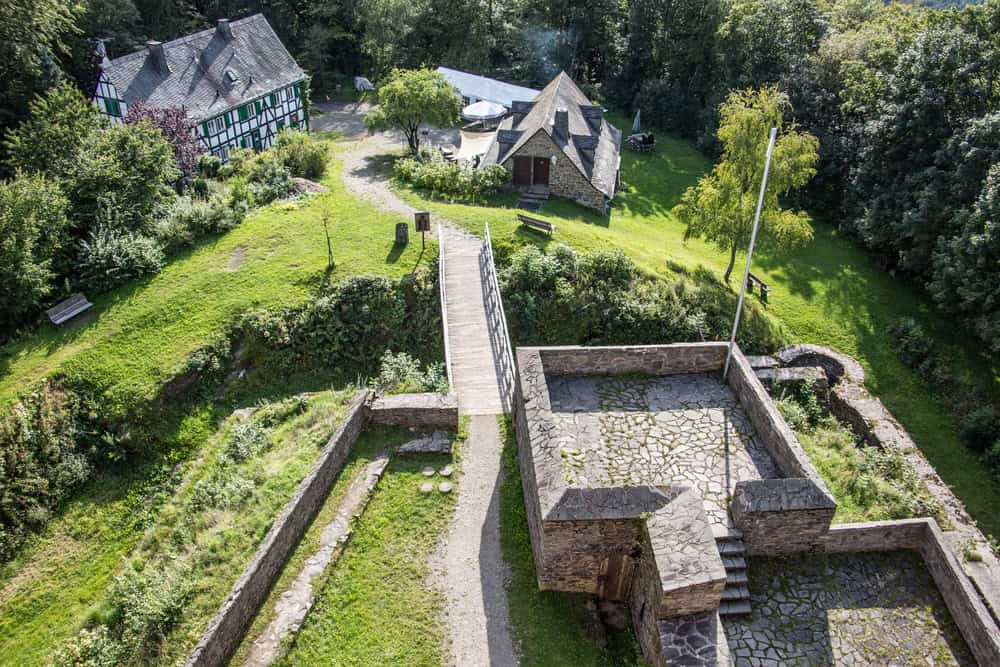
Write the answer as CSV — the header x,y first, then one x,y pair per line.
x,y
136,337
827,292
552,629
376,608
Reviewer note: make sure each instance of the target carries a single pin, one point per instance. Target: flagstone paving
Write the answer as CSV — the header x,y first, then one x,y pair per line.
x,y
845,609
686,429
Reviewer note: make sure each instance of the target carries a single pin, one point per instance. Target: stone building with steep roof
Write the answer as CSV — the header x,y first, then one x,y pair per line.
x,y
561,144
237,81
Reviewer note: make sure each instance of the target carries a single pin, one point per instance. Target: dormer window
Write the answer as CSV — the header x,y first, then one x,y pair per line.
x,y
230,78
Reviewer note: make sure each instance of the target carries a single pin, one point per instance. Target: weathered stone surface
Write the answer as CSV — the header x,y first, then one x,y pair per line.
x,y
226,629
427,410
763,361
696,640
845,609
438,442
836,364
782,516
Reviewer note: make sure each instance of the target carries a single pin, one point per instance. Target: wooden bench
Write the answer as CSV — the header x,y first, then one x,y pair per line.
x,y
754,280
69,308
535,223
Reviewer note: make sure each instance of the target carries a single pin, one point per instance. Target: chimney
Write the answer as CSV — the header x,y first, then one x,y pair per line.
x,y
159,58
225,29
561,123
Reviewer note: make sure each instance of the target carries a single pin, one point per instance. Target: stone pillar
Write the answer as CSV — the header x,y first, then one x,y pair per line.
x,y
402,233
782,516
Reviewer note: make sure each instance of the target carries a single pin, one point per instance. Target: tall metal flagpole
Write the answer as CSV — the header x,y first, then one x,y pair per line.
x,y
753,239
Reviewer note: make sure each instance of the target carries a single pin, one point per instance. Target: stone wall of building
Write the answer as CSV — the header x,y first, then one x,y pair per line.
x,y
781,516
427,410
576,554
226,630
565,180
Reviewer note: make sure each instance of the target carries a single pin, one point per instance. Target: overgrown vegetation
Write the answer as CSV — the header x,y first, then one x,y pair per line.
x,y
450,180
202,536
979,421
401,373
600,298
868,483
550,628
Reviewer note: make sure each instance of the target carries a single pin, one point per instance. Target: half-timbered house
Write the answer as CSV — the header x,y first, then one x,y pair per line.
x,y
237,81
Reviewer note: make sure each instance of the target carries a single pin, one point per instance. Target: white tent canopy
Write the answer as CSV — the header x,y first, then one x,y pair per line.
x,y
483,110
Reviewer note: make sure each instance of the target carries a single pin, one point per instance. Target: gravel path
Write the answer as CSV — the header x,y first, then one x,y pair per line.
x,y
468,566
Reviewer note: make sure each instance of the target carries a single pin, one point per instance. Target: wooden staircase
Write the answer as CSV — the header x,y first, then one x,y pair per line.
x,y
736,595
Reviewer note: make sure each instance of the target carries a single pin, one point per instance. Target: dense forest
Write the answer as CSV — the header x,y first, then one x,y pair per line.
x,y
904,99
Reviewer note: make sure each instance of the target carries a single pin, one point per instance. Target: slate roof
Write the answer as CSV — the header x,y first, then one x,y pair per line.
x,y
485,88
588,132
199,64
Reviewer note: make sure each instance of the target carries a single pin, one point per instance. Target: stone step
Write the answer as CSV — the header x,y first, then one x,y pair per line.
x,y
723,533
738,608
736,578
732,548
733,593
734,563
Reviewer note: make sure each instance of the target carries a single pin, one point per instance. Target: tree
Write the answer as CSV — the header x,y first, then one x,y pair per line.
x,y
967,277
32,32
50,139
720,208
175,125
32,233
123,176
411,98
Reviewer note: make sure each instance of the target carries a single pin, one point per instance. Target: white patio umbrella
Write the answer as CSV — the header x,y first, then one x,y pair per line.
x,y
483,110
635,123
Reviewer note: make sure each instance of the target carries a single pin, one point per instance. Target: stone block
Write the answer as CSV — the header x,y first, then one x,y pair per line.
x,y
781,516
427,410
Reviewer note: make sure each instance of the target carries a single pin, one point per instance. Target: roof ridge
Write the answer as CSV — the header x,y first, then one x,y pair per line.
x,y
186,39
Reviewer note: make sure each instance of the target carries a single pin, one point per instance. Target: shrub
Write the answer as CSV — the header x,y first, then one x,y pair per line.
x,y
992,457
40,462
450,179
401,373
913,345
980,428
33,229
112,258
209,165
268,178
301,154
562,298
224,490
199,188
246,441
190,219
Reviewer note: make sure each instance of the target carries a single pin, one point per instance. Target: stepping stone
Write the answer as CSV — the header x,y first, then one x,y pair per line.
x,y
426,487
446,471
427,472
444,487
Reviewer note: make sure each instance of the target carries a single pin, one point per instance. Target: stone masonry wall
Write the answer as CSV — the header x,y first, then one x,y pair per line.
x,y
428,410
781,516
573,552
565,180
226,630
621,360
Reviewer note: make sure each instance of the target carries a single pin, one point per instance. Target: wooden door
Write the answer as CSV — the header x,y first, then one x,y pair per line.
x,y
541,171
522,170
615,577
